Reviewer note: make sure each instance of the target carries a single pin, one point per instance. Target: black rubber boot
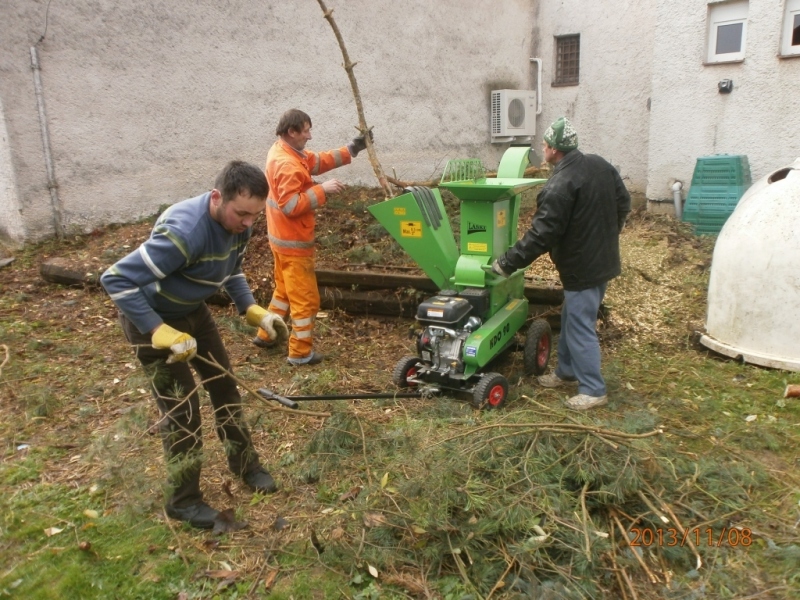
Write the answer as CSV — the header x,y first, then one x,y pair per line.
x,y
257,341
199,515
259,480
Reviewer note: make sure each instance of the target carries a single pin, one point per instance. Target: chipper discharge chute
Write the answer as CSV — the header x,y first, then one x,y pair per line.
x,y
476,314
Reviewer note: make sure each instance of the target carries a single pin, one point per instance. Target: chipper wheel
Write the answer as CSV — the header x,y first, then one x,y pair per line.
x,y
403,370
491,391
538,344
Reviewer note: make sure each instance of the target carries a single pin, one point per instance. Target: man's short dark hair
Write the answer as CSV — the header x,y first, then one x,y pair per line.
x,y
239,177
294,118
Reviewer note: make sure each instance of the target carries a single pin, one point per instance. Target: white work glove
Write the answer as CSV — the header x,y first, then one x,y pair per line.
x,y
498,270
182,345
268,321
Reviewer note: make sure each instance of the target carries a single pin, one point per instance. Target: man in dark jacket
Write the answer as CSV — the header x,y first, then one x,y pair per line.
x,y
580,214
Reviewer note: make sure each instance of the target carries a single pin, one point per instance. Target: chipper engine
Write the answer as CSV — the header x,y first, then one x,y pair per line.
x,y
476,314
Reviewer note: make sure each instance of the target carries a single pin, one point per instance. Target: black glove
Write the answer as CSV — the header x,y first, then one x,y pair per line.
x,y
498,270
357,144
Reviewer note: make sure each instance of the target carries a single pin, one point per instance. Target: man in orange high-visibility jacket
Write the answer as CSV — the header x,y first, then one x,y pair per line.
x,y
293,199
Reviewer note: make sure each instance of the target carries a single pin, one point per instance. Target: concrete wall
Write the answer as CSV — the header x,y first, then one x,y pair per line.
x,y
690,118
609,107
11,228
147,100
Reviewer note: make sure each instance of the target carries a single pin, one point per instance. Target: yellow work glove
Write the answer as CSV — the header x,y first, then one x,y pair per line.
x,y
182,345
268,321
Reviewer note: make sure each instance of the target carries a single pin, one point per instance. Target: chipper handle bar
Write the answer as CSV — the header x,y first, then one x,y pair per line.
x,y
291,401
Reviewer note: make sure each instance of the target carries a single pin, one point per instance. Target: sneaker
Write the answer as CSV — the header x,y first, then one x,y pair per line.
x,y
199,515
260,481
257,341
551,380
312,359
585,402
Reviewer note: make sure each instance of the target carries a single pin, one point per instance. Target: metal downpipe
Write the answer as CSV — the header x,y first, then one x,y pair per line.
x,y
52,185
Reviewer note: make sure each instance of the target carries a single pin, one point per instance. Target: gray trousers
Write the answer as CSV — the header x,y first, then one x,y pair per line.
x,y
578,346
173,386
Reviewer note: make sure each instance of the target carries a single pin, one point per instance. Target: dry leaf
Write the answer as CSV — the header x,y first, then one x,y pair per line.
x,y
373,519
384,480
50,531
410,583
226,487
418,530
751,418
221,574
351,494
372,571
92,514
226,522
270,579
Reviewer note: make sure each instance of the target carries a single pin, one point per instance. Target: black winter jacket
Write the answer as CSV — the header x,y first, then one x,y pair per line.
x,y
580,214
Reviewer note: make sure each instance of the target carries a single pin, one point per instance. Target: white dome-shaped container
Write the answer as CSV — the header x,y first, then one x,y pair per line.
x,y
754,288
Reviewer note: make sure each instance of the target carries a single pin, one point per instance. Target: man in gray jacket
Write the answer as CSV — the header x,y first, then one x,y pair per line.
x,y
580,214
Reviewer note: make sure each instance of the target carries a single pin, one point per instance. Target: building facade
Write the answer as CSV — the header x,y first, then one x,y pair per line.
x,y
142,103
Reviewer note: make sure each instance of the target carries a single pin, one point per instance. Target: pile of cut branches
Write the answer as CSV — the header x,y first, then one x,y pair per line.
x,y
532,502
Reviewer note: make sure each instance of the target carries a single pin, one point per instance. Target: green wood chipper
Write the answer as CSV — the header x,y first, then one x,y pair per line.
x,y
476,314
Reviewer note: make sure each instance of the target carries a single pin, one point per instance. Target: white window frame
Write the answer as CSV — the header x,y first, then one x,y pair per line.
x,y
791,11
721,14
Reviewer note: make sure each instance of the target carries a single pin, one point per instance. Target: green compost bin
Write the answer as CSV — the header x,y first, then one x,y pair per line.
x,y
718,183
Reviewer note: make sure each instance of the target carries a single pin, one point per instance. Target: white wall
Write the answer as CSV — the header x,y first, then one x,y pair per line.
x,y
11,228
690,118
609,107
146,101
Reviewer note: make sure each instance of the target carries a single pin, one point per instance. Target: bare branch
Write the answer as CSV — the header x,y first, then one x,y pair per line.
x,y
362,121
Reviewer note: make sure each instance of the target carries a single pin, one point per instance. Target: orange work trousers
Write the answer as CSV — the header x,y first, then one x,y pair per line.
x,y
296,292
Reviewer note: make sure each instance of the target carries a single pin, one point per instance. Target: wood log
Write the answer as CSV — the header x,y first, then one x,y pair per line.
x,y
357,292
62,271
368,280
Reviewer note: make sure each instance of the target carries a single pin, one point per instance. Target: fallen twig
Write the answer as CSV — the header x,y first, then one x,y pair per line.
x,y
5,360
586,523
652,576
177,539
665,507
555,428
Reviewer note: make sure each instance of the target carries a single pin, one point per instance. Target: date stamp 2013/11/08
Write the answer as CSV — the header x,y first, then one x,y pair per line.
x,y
675,537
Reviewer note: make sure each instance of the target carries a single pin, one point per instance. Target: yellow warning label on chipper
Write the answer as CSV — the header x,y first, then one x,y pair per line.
x,y
476,247
411,229
399,211
501,218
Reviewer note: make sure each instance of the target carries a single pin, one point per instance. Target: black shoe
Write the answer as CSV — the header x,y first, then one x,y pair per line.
x,y
257,341
260,481
312,359
199,515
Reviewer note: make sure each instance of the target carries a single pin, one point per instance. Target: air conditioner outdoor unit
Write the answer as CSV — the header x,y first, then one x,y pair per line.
x,y
513,114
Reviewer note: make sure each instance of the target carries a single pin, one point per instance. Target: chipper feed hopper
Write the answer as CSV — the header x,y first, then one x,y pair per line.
x,y
476,314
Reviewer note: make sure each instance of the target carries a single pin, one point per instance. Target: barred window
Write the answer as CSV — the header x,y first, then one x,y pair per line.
x,y
568,58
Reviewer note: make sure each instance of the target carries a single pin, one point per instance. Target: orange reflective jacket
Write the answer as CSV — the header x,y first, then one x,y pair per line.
x,y
293,196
